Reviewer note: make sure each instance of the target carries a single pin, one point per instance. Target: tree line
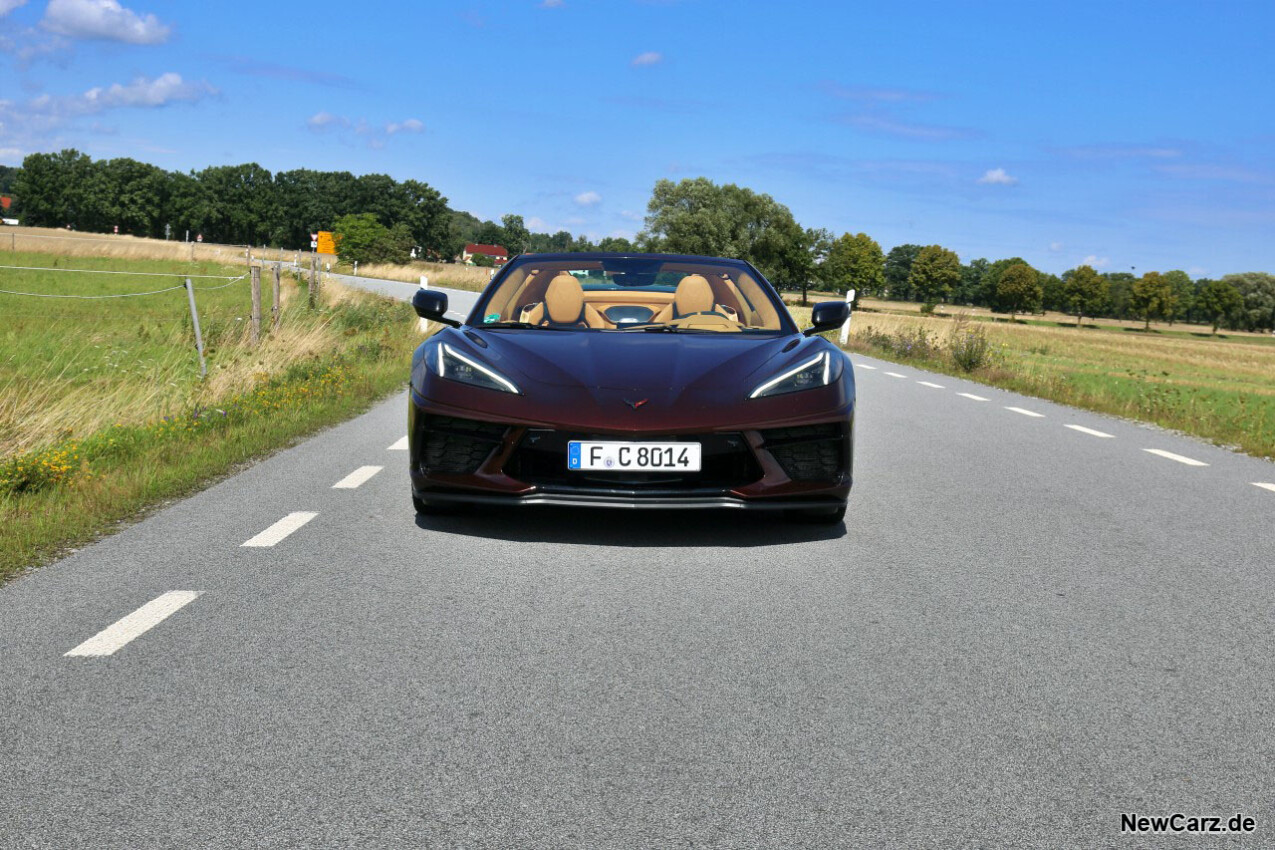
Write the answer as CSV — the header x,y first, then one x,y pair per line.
x,y
381,219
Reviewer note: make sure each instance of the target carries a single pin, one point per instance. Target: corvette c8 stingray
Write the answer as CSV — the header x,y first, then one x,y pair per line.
x,y
631,380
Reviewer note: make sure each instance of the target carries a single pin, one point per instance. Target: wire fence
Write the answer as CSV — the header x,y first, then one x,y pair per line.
x,y
254,274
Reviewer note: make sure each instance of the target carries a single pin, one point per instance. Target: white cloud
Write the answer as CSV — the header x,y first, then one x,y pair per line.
x,y
13,155
997,177
648,58
1055,247
573,220
537,223
323,120
411,125
141,92
588,199
551,4
630,215
103,19
1096,261
164,89
7,6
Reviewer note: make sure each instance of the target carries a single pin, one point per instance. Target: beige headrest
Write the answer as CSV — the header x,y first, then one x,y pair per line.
x,y
694,295
564,299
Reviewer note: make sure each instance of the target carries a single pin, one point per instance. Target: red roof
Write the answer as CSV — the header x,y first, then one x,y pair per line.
x,y
5,202
489,250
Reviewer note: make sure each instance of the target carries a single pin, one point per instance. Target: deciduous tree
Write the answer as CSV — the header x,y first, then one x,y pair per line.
x,y
854,262
1018,289
934,274
1084,292
1151,296
1219,300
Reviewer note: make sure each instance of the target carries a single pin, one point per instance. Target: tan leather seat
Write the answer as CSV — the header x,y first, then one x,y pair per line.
x,y
564,300
564,305
694,295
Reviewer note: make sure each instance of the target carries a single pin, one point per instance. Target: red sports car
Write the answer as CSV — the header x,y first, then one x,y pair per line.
x,y
635,381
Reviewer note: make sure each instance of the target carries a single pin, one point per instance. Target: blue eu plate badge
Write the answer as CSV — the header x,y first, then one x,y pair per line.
x,y
573,455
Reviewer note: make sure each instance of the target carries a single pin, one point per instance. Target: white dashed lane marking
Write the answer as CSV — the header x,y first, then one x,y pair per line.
x,y
357,477
928,384
971,395
281,529
1179,458
1264,486
139,622
400,446
895,375
864,366
1091,432
1031,413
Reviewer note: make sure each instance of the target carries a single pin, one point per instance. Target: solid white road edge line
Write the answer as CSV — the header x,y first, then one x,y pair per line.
x,y
1264,486
971,395
281,529
357,477
1091,432
400,446
1179,458
928,384
1027,412
139,622
895,375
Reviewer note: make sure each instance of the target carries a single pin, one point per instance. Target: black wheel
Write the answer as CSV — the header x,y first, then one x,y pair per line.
x,y
818,516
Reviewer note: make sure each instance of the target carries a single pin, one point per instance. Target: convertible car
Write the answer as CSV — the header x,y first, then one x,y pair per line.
x,y
634,381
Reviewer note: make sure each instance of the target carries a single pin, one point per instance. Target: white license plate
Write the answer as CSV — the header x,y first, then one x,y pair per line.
x,y
613,456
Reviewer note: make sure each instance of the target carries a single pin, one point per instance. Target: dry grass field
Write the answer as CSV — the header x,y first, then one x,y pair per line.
x,y
67,243
451,275
1220,389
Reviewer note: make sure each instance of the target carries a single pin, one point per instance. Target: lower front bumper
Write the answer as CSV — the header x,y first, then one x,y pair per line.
x,y
593,500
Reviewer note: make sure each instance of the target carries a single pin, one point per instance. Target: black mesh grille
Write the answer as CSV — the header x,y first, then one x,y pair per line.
x,y
726,462
809,452
457,445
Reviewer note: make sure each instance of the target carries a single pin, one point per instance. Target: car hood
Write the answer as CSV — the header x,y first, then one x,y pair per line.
x,y
632,360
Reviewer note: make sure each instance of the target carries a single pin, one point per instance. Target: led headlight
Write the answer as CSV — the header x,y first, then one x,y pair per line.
x,y
457,367
819,371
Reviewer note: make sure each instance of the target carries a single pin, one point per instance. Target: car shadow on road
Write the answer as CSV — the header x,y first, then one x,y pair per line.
x,y
630,529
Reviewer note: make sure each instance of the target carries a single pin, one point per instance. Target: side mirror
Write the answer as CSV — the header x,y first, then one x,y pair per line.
x,y
827,315
432,304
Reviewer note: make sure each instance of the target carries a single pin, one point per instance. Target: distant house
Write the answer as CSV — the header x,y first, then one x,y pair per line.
x,y
498,255
5,202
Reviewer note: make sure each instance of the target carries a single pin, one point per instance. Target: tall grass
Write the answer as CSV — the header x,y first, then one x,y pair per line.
x,y
453,276
71,367
103,412
1221,391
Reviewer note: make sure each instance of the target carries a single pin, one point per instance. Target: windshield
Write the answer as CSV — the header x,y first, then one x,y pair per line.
x,y
632,294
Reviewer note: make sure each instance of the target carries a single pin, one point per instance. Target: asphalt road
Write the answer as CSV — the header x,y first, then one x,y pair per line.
x,y
1022,631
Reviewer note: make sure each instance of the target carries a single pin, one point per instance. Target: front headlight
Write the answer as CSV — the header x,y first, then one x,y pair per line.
x,y
819,371
457,367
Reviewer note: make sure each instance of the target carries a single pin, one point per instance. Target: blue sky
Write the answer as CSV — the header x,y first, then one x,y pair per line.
x,y
1130,135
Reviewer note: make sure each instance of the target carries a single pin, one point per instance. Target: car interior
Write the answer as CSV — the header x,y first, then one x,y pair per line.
x,y
593,298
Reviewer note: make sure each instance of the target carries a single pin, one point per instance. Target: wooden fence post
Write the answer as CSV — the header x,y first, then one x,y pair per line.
x,y
314,295
274,305
199,339
256,304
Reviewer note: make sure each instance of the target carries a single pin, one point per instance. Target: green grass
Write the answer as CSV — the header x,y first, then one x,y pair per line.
x,y
124,421
1219,390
